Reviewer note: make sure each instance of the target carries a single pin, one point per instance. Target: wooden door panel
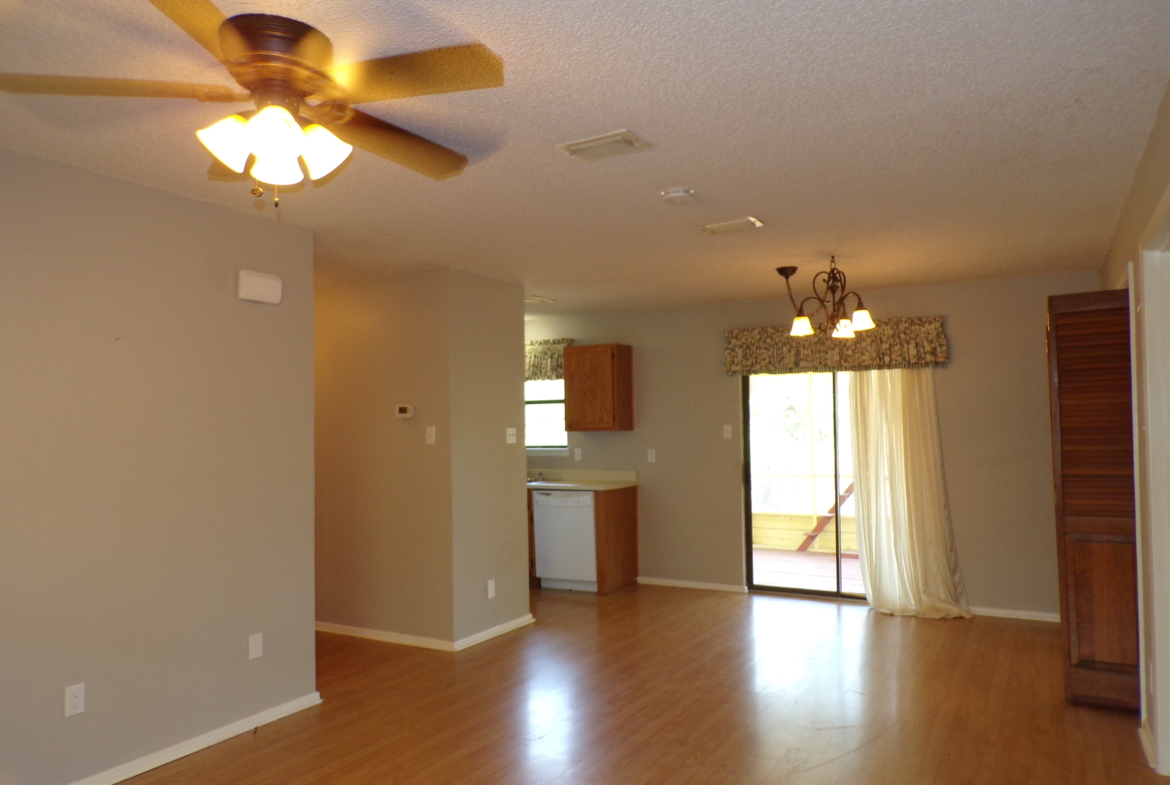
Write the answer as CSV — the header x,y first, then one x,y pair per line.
x,y
1092,453
1105,591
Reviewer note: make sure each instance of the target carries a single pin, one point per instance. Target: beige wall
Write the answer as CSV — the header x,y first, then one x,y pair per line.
x,y
409,533
993,410
1147,197
156,498
489,498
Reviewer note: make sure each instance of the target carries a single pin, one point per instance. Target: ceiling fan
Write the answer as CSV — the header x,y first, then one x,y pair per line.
x,y
304,103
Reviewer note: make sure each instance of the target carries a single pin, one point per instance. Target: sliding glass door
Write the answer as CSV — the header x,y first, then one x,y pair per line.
x,y
801,528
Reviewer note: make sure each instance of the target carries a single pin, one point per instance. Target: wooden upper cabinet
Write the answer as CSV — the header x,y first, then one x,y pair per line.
x,y
599,388
1092,453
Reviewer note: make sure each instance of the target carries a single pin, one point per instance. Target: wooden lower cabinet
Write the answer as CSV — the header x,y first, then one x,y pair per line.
x,y
615,532
1092,452
615,529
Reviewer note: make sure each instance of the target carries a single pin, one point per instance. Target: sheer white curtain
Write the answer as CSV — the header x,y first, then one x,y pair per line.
x,y
908,559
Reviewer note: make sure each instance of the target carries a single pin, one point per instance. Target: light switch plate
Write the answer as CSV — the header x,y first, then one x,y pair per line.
x,y
576,453
431,434
651,456
510,435
726,431
255,645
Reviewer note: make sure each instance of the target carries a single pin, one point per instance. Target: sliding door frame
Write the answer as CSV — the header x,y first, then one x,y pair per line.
x,y
749,560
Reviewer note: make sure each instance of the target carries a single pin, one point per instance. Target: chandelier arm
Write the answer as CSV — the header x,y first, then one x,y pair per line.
x,y
821,293
796,308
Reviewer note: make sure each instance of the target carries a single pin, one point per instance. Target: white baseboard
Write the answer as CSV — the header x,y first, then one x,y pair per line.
x,y
1148,747
425,643
499,629
1005,613
386,637
692,584
182,749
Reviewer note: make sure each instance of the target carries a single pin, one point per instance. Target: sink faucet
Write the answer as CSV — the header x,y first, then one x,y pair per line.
x,y
540,476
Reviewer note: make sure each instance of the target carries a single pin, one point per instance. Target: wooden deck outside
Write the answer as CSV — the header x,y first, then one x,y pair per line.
x,y
789,569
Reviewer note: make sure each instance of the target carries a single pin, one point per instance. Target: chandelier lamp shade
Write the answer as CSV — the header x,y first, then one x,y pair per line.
x,y
275,140
829,299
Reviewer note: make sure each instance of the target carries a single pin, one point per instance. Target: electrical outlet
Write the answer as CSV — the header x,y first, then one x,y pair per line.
x,y
491,588
726,431
74,699
576,453
651,456
510,435
431,434
255,645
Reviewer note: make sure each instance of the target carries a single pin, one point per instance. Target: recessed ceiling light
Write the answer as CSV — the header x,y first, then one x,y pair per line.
x,y
616,143
536,298
737,225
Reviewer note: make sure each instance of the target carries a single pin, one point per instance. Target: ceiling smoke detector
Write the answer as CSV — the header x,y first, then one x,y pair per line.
x,y
677,194
737,225
616,143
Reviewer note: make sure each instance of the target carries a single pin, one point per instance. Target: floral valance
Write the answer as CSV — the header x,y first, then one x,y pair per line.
x,y
545,359
905,342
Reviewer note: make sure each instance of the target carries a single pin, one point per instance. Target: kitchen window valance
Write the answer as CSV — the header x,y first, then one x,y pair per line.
x,y
904,342
545,359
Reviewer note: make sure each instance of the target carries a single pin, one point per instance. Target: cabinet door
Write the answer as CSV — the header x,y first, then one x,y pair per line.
x,y
599,388
1092,446
589,382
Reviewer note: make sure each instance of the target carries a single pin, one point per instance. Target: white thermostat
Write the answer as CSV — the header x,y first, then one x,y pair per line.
x,y
260,287
404,411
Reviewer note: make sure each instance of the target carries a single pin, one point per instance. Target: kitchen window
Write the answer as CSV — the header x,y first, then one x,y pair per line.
x,y
544,414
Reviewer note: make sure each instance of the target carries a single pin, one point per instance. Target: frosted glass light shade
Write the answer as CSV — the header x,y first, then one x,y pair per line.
x,y
323,152
274,132
844,329
277,170
862,320
801,326
227,141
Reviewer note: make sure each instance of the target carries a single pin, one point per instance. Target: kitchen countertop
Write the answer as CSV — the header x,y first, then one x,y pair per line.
x,y
586,485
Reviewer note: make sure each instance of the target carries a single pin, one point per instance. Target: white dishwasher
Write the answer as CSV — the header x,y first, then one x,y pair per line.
x,y
566,552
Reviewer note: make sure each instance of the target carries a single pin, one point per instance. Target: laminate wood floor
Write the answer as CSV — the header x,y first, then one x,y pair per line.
x,y
660,685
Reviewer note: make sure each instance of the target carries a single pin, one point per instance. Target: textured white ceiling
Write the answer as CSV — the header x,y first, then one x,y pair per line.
x,y
919,141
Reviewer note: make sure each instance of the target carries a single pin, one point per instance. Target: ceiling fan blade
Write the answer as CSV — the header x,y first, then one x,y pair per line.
x,y
199,19
450,69
137,88
397,145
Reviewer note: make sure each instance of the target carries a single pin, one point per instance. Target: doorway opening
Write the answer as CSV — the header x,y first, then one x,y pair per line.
x,y
798,473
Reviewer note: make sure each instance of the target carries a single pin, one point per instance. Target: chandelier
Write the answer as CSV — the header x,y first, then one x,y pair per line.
x,y
829,297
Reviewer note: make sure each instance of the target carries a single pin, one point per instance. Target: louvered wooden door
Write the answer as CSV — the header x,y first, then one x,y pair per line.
x,y
1092,453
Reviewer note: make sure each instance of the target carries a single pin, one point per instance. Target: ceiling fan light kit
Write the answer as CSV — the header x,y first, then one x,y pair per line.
x,y
276,140
829,297
304,105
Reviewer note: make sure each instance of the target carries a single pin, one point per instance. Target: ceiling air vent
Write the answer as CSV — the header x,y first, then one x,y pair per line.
x,y
738,225
617,143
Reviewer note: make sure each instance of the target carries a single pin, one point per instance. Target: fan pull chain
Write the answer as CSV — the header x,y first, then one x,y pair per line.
x,y
276,196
